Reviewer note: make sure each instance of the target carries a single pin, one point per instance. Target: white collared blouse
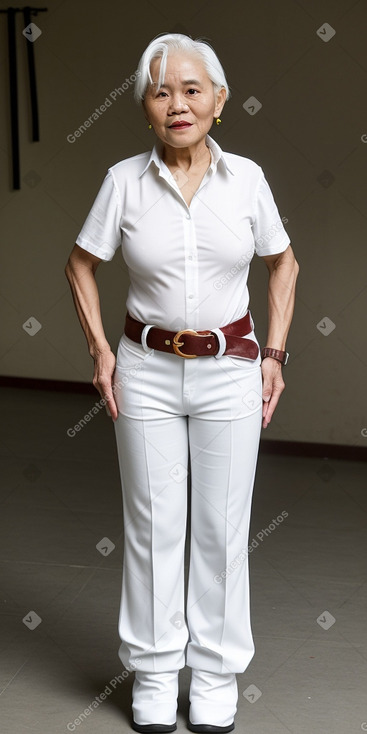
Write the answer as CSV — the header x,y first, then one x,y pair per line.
x,y
188,265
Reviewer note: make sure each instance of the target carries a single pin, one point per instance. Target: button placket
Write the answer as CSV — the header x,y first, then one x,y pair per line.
x,y
190,247
191,272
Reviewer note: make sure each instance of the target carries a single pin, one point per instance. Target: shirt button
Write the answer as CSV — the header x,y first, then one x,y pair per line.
x,y
191,295
188,216
190,257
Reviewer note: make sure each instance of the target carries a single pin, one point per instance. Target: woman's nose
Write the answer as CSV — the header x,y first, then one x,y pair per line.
x,y
178,104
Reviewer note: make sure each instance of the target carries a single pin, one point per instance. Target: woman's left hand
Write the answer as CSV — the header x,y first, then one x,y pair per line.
x,y
273,386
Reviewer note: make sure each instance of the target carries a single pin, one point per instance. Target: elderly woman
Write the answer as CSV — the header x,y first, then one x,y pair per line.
x,y
189,387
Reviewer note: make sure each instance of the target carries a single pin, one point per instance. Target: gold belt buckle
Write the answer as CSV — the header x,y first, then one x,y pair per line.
x,y
176,344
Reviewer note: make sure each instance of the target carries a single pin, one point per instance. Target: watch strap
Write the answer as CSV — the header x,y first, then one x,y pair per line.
x,y
275,354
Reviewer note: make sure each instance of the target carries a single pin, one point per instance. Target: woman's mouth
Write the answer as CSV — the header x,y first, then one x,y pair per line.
x,y
180,125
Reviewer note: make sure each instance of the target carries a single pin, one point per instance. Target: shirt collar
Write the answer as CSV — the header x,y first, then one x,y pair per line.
x,y
216,152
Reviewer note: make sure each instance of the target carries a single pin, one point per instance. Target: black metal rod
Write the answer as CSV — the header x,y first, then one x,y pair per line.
x,y
20,10
13,88
32,78
13,85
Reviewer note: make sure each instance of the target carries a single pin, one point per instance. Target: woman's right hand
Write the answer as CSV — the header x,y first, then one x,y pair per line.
x,y
104,368
80,272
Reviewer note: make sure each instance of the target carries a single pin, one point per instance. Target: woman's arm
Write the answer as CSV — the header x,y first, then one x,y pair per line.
x,y
283,272
80,270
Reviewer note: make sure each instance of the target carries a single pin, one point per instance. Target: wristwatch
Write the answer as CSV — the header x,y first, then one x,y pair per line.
x,y
275,354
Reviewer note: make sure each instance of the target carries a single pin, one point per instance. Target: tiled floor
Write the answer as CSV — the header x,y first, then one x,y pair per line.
x,y
60,495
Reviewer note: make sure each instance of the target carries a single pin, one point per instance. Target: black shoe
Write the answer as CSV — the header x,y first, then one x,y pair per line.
x,y
154,728
210,728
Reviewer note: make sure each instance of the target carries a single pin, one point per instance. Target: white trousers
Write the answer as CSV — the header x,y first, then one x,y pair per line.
x,y
177,415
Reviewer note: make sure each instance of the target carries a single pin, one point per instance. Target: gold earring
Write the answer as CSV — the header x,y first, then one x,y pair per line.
x,y
149,126
218,121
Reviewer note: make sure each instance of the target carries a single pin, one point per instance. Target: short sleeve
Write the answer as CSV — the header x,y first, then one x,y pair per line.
x,y
101,231
268,228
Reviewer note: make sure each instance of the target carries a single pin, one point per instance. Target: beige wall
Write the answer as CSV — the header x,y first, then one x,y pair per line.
x,y
313,115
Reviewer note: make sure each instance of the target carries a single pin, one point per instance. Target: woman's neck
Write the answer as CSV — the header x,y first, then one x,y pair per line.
x,y
194,156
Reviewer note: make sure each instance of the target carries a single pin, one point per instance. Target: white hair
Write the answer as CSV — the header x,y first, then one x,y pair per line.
x,y
161,45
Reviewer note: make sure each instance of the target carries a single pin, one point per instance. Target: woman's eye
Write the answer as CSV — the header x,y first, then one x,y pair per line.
x,y
189,90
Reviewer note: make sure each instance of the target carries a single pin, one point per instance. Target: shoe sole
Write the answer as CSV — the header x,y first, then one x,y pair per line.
x,y
153,728
210,728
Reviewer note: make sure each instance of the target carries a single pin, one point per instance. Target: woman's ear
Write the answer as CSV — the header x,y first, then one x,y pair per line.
x,y
220,102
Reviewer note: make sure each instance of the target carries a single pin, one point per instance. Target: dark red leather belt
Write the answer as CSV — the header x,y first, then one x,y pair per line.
x,y
190,343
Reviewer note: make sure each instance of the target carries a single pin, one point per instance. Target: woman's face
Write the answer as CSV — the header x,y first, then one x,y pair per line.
x,y
187,94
